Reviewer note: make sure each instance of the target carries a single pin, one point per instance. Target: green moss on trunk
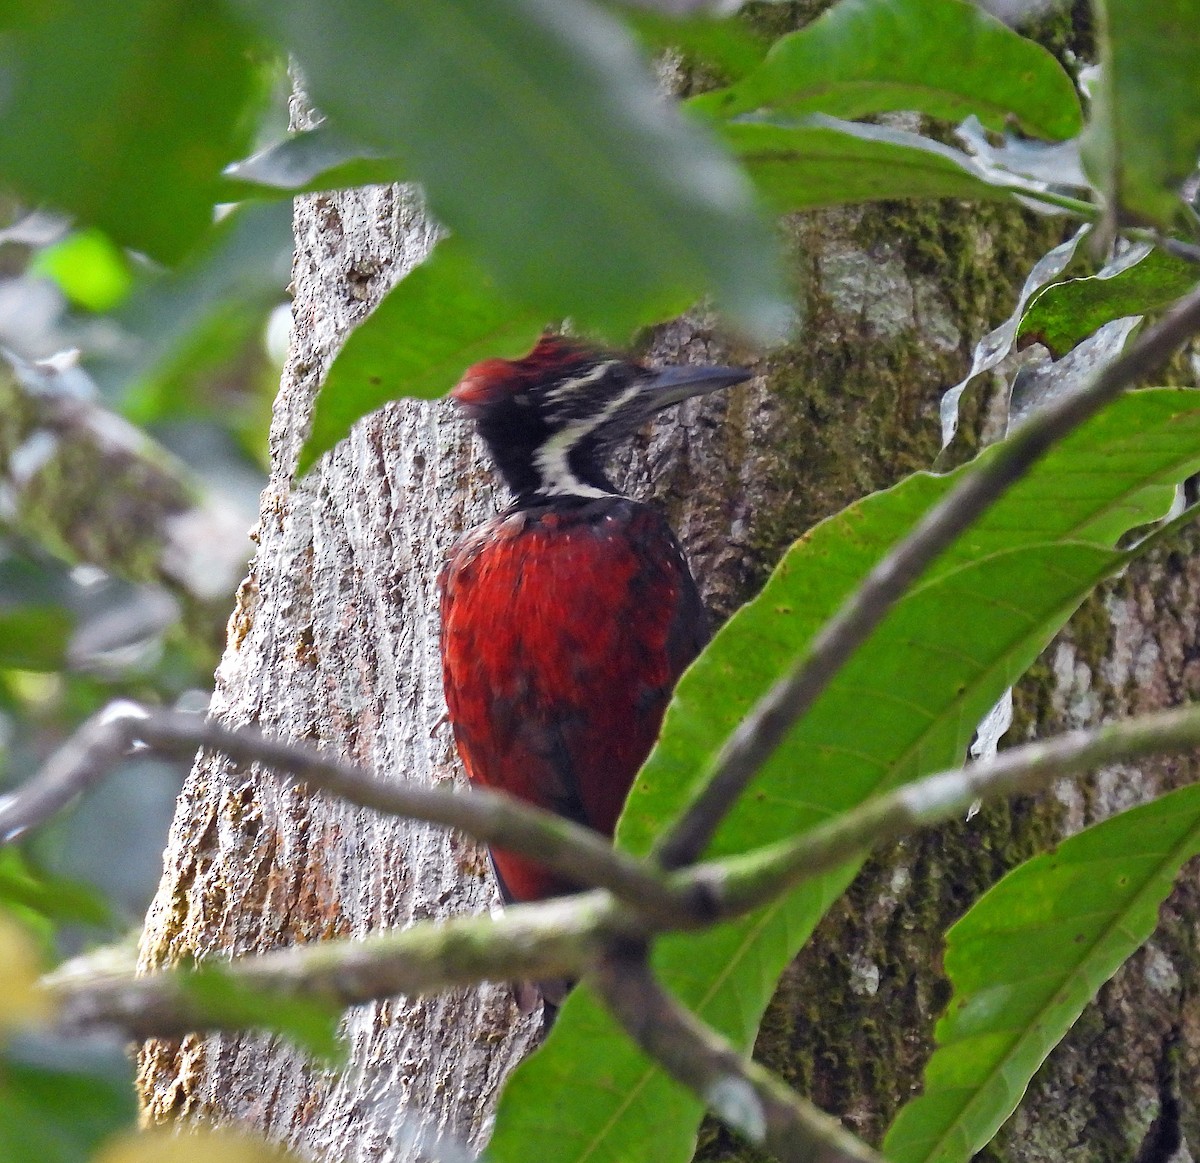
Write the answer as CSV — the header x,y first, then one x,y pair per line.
x,y
894,296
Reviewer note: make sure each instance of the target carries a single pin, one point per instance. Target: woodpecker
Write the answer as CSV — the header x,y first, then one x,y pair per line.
x,y
568,618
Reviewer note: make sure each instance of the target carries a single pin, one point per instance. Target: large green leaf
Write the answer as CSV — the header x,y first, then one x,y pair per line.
x,y
875,727
826,162
1064,313
1144,134
906,705
127,109
540,139
441,317
945,58
1026,960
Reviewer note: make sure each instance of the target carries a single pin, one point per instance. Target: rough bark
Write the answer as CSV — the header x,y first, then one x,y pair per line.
x,y
1123,1084
334,640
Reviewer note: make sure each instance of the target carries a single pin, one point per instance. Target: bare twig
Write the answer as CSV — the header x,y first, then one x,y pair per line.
x,y
85,759
554,939
567,848
1188,251
768,723
747,1097
741,884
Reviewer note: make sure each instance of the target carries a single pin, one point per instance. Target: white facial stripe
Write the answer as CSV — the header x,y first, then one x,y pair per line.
x,y
553,458
569,387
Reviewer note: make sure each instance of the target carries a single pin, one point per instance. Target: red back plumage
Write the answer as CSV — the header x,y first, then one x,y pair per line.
x,y
568,619
563,635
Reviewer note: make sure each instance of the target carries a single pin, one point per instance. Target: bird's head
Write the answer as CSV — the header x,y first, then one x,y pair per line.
x,y
550,418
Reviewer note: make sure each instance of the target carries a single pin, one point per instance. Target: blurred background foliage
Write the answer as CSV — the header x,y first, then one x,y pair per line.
x,y
129,294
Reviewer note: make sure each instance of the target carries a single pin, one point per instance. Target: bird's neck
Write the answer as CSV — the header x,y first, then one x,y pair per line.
x,y
552,471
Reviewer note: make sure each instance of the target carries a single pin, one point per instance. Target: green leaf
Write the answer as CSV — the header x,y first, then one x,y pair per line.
x,y
127,110
945,58
312,160
541,141
88,268
826,162
241,270
310,1024
440,318
37,896
1025,961
731,47
34,637
1013,580
1064,313
1144,134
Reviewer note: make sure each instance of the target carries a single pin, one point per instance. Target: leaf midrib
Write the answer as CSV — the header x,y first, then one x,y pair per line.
x,y
1192,840
768,914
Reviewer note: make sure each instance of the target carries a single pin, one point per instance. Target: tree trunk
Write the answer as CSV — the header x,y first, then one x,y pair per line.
x,y
334,640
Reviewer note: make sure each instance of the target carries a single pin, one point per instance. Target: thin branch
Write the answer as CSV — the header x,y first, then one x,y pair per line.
x,y
82,761
1188,251
562,937
550,940
741,884
747,1097
767,725
567,848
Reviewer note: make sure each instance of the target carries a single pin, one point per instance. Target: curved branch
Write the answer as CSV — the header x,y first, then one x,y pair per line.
x,y
765,727
566,936
537,942
743,1094
741,884
567,848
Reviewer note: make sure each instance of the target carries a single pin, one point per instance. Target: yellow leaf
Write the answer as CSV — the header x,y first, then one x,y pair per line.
x,y
21,1001
192,1145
